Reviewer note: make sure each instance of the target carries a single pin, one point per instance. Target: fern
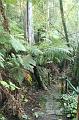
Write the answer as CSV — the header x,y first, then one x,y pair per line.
x,y
29,63
5,41
9,85
17,45
35,51
1,60
47,53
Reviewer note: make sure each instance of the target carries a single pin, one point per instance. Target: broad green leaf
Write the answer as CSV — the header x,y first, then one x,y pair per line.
x,y
30,60
29,63
17,45
5,84
1,64
20,59
13,86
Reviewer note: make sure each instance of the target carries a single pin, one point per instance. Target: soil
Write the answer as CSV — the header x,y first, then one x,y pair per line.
x,y
45,105
41,104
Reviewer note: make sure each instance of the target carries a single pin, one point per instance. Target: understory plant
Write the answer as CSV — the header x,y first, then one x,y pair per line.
x,y
2,117
46,51
14,64
15,59
70,104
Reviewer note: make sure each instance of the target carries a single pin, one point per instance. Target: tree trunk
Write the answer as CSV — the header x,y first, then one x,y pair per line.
x,y
5,23
75,72
78,108
41,85
28,23
63,22
48,18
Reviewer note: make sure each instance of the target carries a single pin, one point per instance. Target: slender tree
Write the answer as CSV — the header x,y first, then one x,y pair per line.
x,y
63,22
48,18
29,23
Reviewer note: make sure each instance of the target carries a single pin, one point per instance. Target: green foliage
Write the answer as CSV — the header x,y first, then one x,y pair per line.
x,y
29,63
2,117
16,56
16,28
10,1
5,84
25,117
5,40
70,104
46,52
17,45
35,51
37,114
12,86
9,85
17,64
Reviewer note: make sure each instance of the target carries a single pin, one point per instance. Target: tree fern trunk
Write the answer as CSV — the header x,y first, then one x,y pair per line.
x,y
38,79
75,76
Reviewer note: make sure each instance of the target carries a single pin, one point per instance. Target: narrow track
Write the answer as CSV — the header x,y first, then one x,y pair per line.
x,y
52,110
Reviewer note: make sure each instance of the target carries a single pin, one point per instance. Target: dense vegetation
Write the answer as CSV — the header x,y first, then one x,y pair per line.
x,y
38,46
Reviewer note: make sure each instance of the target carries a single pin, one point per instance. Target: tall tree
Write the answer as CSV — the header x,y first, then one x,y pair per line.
x,y
48,18
29,23
64,23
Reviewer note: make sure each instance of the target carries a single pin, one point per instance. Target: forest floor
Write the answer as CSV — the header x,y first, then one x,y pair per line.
x,y
45,105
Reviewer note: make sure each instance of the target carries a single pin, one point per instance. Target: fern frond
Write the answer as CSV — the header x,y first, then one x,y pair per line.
x,y
1,60
53,54
17,45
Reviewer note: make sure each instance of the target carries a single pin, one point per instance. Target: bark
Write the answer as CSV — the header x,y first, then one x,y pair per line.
x,y
75,70
48,18
66,87
49,82
78,108
62,86
28,23
41,85
64,23
5,23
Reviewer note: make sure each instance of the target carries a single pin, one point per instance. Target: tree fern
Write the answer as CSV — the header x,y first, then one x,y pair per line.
x,y
47,53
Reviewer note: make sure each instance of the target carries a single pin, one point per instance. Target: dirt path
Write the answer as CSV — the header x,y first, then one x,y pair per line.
x,y
51,110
